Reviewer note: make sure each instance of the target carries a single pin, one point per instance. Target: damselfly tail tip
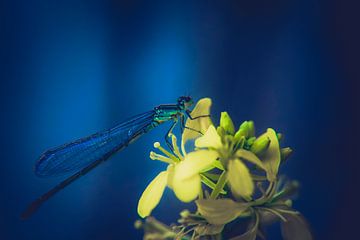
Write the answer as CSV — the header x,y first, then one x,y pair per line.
x,y
30,210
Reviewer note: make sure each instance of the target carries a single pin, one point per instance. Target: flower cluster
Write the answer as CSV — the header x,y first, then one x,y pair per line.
x,y
230,174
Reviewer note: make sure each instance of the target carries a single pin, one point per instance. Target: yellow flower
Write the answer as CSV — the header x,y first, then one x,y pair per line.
x,y
201,124
182,174
186,181
238,174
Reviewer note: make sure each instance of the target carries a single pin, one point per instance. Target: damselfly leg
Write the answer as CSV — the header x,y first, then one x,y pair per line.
x,y
188,113
168,135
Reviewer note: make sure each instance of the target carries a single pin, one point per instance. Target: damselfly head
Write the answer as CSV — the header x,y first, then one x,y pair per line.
x,y
185,102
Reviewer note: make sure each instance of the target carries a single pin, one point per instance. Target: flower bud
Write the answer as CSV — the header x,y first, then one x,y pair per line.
x,y
241,133
221,131
185,213
227,123
247,129
260,145
285,153
250,141
251,129
288,202
138,224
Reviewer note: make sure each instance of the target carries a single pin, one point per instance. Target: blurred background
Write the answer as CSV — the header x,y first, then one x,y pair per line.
x,y
71,68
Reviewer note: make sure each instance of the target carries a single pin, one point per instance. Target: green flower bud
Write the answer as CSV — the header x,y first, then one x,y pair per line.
x,y
260,145
251,127
247,128
138,224
228,141
250,141
227,123
244,129
285,153
239,141
239,134
185,213
221,131
288,202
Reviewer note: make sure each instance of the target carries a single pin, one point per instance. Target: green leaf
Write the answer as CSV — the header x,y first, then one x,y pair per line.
x,y
250,157
209,229
220,211
295,228
250,234
271,158
226,123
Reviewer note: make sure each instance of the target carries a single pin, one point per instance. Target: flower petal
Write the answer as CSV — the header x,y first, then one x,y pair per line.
x,y
194,163
220,211
251,157
202,108
187,189
152,194
210,139
240,179
226,123
271,158
170,169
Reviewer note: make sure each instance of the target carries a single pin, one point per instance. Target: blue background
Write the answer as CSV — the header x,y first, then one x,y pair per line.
x,y
70,68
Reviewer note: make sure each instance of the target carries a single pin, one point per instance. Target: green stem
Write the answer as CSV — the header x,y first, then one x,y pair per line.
x,y
270,191
219,186
209,183
274,212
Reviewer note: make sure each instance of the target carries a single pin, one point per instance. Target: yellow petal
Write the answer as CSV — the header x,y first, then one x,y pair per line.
x,y
170,169
210,139
194,163
249,156
220,211
187,189
226,123
152,194
240,179
202,108
271,158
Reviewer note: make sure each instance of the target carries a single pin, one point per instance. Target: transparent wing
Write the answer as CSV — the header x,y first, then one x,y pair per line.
x,y
76,155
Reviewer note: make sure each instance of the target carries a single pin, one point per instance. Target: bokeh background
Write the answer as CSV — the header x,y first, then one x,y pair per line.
x,y
70,68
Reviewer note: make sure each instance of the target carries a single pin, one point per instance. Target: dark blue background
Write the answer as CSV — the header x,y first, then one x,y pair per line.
x,y
70,68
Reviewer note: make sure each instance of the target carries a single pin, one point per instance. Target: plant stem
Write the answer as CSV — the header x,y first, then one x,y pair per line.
x,y
219,185
209,183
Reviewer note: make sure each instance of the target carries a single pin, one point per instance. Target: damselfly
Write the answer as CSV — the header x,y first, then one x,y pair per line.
x,y
83,155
